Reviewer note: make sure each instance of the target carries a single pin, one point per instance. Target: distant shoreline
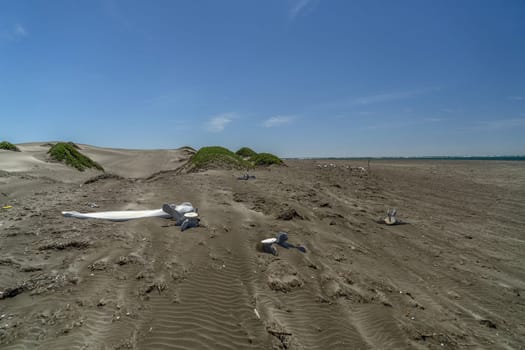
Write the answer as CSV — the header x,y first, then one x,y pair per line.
x,y
511,158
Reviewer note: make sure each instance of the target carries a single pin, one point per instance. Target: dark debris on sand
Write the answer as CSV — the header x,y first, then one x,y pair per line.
x,y
290,214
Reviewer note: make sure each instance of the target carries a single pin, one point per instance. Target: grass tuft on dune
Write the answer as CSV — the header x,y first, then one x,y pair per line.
x,y
263,159
8,146
246,152
217,157
67,152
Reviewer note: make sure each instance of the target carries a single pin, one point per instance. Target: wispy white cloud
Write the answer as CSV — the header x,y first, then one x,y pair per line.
x,y
219,122
16,32
433,120
278,121
363,115
19,31
492,125
299,7
506,123
516,98
391,96
377,98
419,122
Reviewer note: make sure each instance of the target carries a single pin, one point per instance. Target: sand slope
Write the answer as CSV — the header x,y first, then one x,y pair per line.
x,y
31,168
123,162
137,163
451,278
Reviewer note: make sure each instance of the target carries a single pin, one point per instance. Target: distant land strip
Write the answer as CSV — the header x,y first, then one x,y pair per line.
x,y
514,158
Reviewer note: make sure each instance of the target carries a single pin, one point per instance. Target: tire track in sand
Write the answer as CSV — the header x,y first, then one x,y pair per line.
x,y
213,307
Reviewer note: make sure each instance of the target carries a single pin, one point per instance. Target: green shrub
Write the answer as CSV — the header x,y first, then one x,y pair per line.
x,y
67,153
217,157
266,159
8,146
246,152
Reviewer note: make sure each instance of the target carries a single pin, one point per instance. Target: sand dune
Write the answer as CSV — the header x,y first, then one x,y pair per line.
x,y
137,163
451,278
123,162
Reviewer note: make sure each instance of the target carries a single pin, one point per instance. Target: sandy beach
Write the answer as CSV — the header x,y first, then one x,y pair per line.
x,y
450,277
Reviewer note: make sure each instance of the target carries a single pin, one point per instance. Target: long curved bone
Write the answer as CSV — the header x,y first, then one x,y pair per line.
x,y
119,215
168,211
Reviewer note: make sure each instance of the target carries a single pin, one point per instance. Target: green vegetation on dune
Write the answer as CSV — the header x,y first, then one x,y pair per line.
x,y
8,146
246,152
265,159
66,152
217,157
259,158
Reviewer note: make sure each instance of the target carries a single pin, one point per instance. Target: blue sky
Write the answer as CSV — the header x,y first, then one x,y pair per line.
x,y
293,77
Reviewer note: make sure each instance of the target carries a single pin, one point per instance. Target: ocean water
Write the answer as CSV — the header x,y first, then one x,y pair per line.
x,y
510,158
